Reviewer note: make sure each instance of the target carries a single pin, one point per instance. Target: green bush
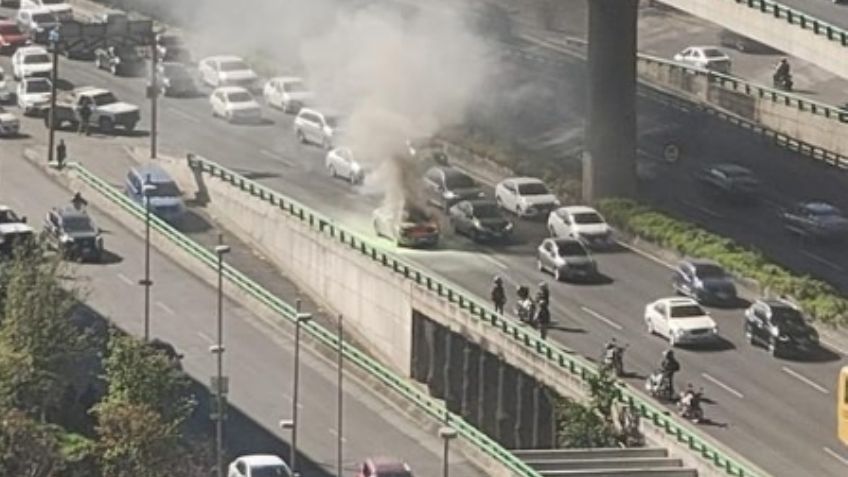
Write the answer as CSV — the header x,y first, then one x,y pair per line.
x,y
818,298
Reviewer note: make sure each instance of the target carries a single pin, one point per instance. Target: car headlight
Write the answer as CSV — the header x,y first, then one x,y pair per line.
x,y
65,238
477,223
715,330
508,226
450,194
678,332
775,332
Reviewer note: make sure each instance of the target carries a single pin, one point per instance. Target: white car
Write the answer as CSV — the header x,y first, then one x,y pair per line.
x,y
341,163
60,8
31,61
228,70
9,123
525,197
33,94
36,23
5,93
706,57
287,93
580,222
258,465
235,104
681,321
317,127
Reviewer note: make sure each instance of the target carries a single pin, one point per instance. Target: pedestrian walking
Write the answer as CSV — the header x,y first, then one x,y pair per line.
x,y
498,295
61,153
85,116
543,318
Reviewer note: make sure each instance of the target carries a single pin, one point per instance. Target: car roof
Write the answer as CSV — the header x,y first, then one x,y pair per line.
x,y
451,171
155,171
69,211
287,79
777,303
388,464
731,167
224,58
818,206
678,301
578,209
32,50
261,459
707,47
525,180
564,240
8,23
16,227
34,79
90,90
38,10
481,202
700,262
231,89
4,208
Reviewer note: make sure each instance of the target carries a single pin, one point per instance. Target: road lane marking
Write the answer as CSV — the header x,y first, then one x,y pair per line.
x,y
806,380
288,398
703,209
276,157
823,261
830,344
602,318
335,433
183,114
205,337
166,308
125,279
495,262
835,455
723,386
647,255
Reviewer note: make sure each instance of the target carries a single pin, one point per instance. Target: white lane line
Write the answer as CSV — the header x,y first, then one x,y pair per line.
x,y
806,380
166,308
495,262
723,386
276,157
288,398
183,114
703,209
335,433
647,255
835,347
205,337
602,318
126,279
835,455
823,261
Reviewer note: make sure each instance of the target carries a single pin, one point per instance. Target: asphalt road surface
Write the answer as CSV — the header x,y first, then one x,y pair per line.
x,y
258,357
777,413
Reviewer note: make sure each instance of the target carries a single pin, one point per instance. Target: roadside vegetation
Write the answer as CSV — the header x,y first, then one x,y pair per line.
x,y
79,398
590,424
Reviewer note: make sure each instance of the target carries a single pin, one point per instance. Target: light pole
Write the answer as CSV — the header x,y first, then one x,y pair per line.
x,y
146,189
219,384
300,318
288,425
154,95
53,38
447,434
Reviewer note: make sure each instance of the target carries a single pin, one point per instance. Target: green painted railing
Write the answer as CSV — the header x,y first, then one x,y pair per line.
x,y
799,18
434,408
479,309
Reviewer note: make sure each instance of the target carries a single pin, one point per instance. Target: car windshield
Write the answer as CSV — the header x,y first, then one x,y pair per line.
x,y
587,218
706,270
239,97
9,29
713,53
268,471
38,86
233,66
532,188
458,181
294,87
42,18
165,189
570,249
686,311
37,58
9,217
487,210
103,99
52,2
824,210
78,224
785,316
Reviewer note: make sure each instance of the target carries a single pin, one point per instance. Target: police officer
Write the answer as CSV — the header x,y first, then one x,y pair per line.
x,y
498,295
61,153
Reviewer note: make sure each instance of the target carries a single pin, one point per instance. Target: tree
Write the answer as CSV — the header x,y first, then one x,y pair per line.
x,y
589,425
28,448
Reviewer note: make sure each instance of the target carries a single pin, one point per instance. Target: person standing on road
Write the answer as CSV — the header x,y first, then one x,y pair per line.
x,y
544,294
543,318
61,153
85,111
498,295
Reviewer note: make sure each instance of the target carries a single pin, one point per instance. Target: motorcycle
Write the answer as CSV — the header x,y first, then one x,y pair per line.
x,y
689,405
613,359
526,310
659,386
783,82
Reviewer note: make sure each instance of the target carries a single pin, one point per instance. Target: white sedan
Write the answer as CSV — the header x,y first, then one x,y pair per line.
x,y
235,104
706,57
31,61
33,93
287,93
525,196
341,163
681,321
581,222
9,123
258,465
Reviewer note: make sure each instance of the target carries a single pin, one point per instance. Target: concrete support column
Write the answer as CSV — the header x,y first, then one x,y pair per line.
x,y
454,345
420,349
487,390
507,381
609,165
470,383
436,378
525,423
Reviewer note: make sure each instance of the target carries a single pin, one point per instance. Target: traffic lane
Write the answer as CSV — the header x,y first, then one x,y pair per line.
x,y
258,355
824,10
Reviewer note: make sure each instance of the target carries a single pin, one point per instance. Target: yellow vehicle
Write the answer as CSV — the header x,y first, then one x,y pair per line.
x,y
842,405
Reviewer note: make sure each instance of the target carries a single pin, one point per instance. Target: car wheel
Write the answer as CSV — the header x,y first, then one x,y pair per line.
x,y
300,136
105,125
650,326
332,171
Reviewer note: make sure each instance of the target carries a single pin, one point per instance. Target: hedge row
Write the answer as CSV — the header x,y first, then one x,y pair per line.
x,y
819,299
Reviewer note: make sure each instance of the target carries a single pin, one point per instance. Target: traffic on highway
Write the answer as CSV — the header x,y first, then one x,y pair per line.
x,y
352,149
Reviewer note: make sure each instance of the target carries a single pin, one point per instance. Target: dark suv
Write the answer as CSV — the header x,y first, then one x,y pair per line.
x,y
779,326
445,186
730,181
72,232
705,281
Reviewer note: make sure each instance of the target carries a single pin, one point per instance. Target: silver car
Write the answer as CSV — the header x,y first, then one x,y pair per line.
x,y
317,127
340,162
566,258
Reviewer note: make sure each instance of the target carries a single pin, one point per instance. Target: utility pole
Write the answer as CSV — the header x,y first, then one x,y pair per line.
x,y
147,188
53,38
219,384
154,96
300,319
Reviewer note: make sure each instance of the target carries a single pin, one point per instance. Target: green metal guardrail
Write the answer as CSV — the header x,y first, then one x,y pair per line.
x,y
796,17
432,407
478,309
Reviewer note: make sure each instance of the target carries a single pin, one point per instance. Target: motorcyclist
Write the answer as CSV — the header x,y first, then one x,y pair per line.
x,y
668,367
612,356
524,308
78,202
543,317
690,403
498,295
783,72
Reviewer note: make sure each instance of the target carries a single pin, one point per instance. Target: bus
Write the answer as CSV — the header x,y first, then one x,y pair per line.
x,y
842,405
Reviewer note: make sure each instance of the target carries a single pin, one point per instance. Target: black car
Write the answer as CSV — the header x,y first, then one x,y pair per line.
x,y
171,48
818,220
779,326
73,233
705,281
731,181
175,79
445,186
120,60
480,219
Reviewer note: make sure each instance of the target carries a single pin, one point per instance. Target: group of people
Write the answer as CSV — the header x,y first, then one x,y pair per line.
x,y
531,310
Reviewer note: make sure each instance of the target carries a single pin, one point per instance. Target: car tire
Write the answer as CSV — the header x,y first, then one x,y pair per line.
x,y
105,125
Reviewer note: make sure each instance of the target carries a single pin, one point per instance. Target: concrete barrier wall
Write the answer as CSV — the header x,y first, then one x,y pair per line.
x,y
767,28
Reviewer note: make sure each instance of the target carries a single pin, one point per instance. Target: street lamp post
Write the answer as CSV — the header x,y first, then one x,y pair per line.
x,y
447,434
300,319
146,190
53,38
154,96
219,385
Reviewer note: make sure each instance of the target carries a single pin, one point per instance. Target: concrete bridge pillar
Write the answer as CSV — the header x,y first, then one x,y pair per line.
x,y
454,352
524,411
507,382
420,349
544,429
437,375
609,165
487,390
471,365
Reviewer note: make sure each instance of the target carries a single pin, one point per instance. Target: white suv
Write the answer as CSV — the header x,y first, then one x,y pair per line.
x,y
31,61
316,127
33,94
217,71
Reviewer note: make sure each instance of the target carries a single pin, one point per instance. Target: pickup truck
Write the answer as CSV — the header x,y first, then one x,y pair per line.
x,y
107,112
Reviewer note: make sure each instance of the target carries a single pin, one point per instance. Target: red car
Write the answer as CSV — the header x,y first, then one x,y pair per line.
x,y
384,467
11,36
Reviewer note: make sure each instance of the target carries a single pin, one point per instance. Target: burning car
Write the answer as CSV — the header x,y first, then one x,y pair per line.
x,y
408,226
